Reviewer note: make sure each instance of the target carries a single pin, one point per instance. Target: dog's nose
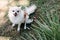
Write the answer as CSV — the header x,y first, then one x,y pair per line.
x,y
15,14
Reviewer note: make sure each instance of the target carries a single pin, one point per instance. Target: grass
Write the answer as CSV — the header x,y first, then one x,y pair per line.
x,y
45,27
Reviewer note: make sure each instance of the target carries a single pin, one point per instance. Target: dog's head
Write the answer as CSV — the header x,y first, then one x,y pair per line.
x,y
15,10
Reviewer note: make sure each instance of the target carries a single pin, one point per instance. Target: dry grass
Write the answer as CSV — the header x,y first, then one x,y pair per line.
x,y
4,38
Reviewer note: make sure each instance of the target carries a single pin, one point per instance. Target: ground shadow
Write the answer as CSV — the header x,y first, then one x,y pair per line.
x,y
6,30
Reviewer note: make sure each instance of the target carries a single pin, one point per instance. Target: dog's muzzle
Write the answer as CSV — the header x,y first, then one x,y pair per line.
x,y
15,14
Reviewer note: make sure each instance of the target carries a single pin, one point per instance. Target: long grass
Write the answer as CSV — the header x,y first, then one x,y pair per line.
x,y
47,24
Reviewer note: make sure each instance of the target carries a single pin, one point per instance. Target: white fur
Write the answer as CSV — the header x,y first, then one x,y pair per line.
x,y
30,9
19,19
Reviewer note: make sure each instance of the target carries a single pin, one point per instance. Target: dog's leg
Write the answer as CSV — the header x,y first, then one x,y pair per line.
x,y
29,20
13,25
18,29
25,26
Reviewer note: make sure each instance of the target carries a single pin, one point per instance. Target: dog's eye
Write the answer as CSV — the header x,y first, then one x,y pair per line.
x,y
17,11
13,10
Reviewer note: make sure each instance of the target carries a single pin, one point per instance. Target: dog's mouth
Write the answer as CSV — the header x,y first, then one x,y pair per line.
x,y
15,14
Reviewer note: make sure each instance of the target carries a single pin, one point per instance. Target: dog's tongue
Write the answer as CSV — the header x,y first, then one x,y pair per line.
x,y
15,14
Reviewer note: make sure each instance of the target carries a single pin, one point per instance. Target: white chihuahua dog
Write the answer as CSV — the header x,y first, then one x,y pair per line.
x,y
19,16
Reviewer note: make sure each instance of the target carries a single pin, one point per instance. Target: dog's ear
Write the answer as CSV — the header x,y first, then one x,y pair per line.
x,y
20,7
10,7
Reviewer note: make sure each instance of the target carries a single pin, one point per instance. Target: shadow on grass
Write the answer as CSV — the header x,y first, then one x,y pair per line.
x,y
7,31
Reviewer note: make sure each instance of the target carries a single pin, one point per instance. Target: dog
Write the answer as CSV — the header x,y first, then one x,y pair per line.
x,y
18,16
